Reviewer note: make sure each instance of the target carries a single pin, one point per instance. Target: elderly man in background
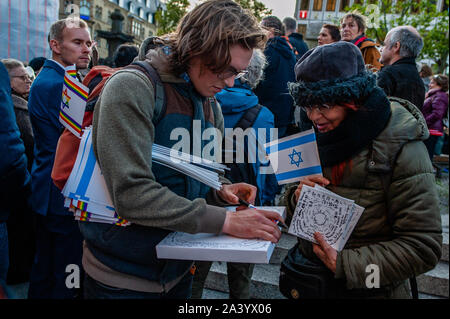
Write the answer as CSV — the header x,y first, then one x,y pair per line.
x,y
400,77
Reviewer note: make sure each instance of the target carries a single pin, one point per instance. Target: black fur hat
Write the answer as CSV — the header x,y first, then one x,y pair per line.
x,y
330,74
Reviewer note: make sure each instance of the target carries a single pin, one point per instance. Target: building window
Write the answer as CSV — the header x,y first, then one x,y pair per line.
x,y
85,10
343,5
136,28
141,13
150,17
317,6
304,5
131,7
98,12
331,5
302,29
66,4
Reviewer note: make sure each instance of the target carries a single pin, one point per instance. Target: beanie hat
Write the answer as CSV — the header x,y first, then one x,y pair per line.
x,y
37,63
331,73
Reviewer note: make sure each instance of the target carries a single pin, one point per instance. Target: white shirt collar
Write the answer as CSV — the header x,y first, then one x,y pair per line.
x,y
58,63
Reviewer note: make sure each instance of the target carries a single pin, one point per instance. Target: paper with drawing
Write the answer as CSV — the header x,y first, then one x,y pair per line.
x,y
319,210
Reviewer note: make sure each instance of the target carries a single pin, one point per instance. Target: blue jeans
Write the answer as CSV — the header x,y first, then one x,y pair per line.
x,y
96,290
4,252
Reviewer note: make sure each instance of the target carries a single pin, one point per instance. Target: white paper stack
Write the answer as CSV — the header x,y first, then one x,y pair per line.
x,y
198,168
211,247
87,196
319,210
85,191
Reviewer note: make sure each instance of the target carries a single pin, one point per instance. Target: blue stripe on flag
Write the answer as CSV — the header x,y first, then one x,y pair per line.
x,y
299,173
87,175
291,143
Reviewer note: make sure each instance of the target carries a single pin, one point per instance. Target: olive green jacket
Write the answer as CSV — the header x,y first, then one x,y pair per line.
x,y
399,231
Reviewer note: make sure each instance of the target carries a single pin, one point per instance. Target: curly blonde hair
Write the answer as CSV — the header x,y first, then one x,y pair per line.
x,y
208,32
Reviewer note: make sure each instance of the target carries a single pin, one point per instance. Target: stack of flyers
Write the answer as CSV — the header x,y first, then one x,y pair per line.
x,y
85,192
87,196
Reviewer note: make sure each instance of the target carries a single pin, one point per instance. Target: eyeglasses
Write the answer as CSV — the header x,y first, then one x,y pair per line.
x,y
231,72
23,77
320,108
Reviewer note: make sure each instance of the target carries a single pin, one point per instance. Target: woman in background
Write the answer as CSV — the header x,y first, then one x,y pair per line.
x,y
20,222
435,109
328,34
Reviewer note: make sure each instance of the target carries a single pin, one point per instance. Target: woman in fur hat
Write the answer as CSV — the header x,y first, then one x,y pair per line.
x,y
371,151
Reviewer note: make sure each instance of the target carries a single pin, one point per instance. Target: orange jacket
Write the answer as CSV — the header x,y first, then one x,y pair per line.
x,y
371,55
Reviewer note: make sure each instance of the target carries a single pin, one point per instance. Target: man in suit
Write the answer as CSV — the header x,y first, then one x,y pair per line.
x,y
58,242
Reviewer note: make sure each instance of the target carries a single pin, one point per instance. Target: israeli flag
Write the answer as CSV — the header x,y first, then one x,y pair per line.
x,y
294,157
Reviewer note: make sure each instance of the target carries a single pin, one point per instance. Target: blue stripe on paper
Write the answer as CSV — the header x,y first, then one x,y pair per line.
x,y
87,175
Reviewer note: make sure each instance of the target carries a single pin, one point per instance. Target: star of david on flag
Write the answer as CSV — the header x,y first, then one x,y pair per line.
x,y
294,157
299,157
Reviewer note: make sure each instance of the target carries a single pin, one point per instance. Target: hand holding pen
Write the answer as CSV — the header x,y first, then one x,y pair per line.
x,y
247,204
247,224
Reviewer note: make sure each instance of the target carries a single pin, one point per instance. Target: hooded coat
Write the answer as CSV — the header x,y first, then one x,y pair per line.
x,y
370,53
435,108
272,91
14,175
296,40
400,228
235,102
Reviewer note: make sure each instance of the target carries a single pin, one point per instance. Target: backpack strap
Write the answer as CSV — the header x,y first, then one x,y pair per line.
x,y
360,40
215,108
248,118
160,96
243,172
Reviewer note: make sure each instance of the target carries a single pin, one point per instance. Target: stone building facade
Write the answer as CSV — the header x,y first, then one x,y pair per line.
x,y
139,18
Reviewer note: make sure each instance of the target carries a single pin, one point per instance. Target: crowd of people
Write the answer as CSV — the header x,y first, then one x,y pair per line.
x,y
378,122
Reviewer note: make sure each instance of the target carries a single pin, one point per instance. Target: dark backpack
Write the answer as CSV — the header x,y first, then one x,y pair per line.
x,y
243,172
67,148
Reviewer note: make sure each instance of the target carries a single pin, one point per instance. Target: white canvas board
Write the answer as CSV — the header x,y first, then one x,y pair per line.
x,y
211,247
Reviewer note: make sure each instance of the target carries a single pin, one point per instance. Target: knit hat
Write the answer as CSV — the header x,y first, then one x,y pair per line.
x,y
331,73
37,63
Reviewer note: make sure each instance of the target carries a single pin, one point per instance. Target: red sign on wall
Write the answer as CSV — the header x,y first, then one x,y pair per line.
x,y
303,14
